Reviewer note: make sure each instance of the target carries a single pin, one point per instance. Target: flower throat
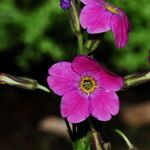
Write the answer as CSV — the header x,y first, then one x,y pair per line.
x,y
87,85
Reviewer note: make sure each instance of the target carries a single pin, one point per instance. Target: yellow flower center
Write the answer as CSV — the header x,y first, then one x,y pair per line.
x,y
87,84
111,9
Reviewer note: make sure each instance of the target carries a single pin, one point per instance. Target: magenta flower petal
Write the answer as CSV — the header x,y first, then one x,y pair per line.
x,y
104,105
62,78
86,88
75,107
91,1
60,85
99,16
95,19
108,80
82,64
63,70
120,27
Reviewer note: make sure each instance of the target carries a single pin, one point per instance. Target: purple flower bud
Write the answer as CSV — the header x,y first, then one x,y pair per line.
x,y
65,4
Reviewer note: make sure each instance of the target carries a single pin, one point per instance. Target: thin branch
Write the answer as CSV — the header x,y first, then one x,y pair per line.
x,y
129,144
69,129
97,142
136,79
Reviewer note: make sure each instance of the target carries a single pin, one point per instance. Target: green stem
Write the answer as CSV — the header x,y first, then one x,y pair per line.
x,y
93,42
95,45
129,144
69,129
75,23
134,80
43,88
88,44
80,44
92,45
21,82
75,16
97,142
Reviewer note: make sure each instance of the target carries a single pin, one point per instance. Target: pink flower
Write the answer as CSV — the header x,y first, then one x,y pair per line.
x,y
86,87
98,16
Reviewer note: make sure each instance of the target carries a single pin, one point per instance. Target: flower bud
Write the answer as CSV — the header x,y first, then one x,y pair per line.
x,y
21,82
65,4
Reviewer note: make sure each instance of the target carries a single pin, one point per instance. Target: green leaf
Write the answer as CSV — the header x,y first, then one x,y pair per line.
x,y
83,143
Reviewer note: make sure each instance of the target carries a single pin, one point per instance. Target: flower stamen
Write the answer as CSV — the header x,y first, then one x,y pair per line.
x,y
111,8
87,84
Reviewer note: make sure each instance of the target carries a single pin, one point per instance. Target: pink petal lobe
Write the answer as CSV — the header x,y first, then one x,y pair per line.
x,y
91,1
82,64
62,78
108,80
75,107
95,18
63,70
60,85
120,27
104,105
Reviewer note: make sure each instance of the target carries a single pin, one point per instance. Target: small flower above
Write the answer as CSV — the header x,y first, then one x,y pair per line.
x,y
65,4
98,16
86,87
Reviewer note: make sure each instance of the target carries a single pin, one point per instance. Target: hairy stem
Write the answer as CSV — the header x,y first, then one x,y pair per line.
x,y
80,44
134,80
97,143
75,22
69,129
21,82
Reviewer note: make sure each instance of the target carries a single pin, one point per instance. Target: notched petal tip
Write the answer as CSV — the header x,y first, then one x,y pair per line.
x,y
105,105
74,107
62,78
82,64
62,70
60,86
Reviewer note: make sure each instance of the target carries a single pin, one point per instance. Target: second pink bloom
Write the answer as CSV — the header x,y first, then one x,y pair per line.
x,y
98,16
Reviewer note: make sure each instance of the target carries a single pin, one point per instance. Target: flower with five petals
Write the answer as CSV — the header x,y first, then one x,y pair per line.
x,y
86,87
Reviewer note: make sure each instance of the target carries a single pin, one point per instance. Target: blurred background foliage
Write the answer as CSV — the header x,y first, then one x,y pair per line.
x,y
134,56
39,29
36,29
